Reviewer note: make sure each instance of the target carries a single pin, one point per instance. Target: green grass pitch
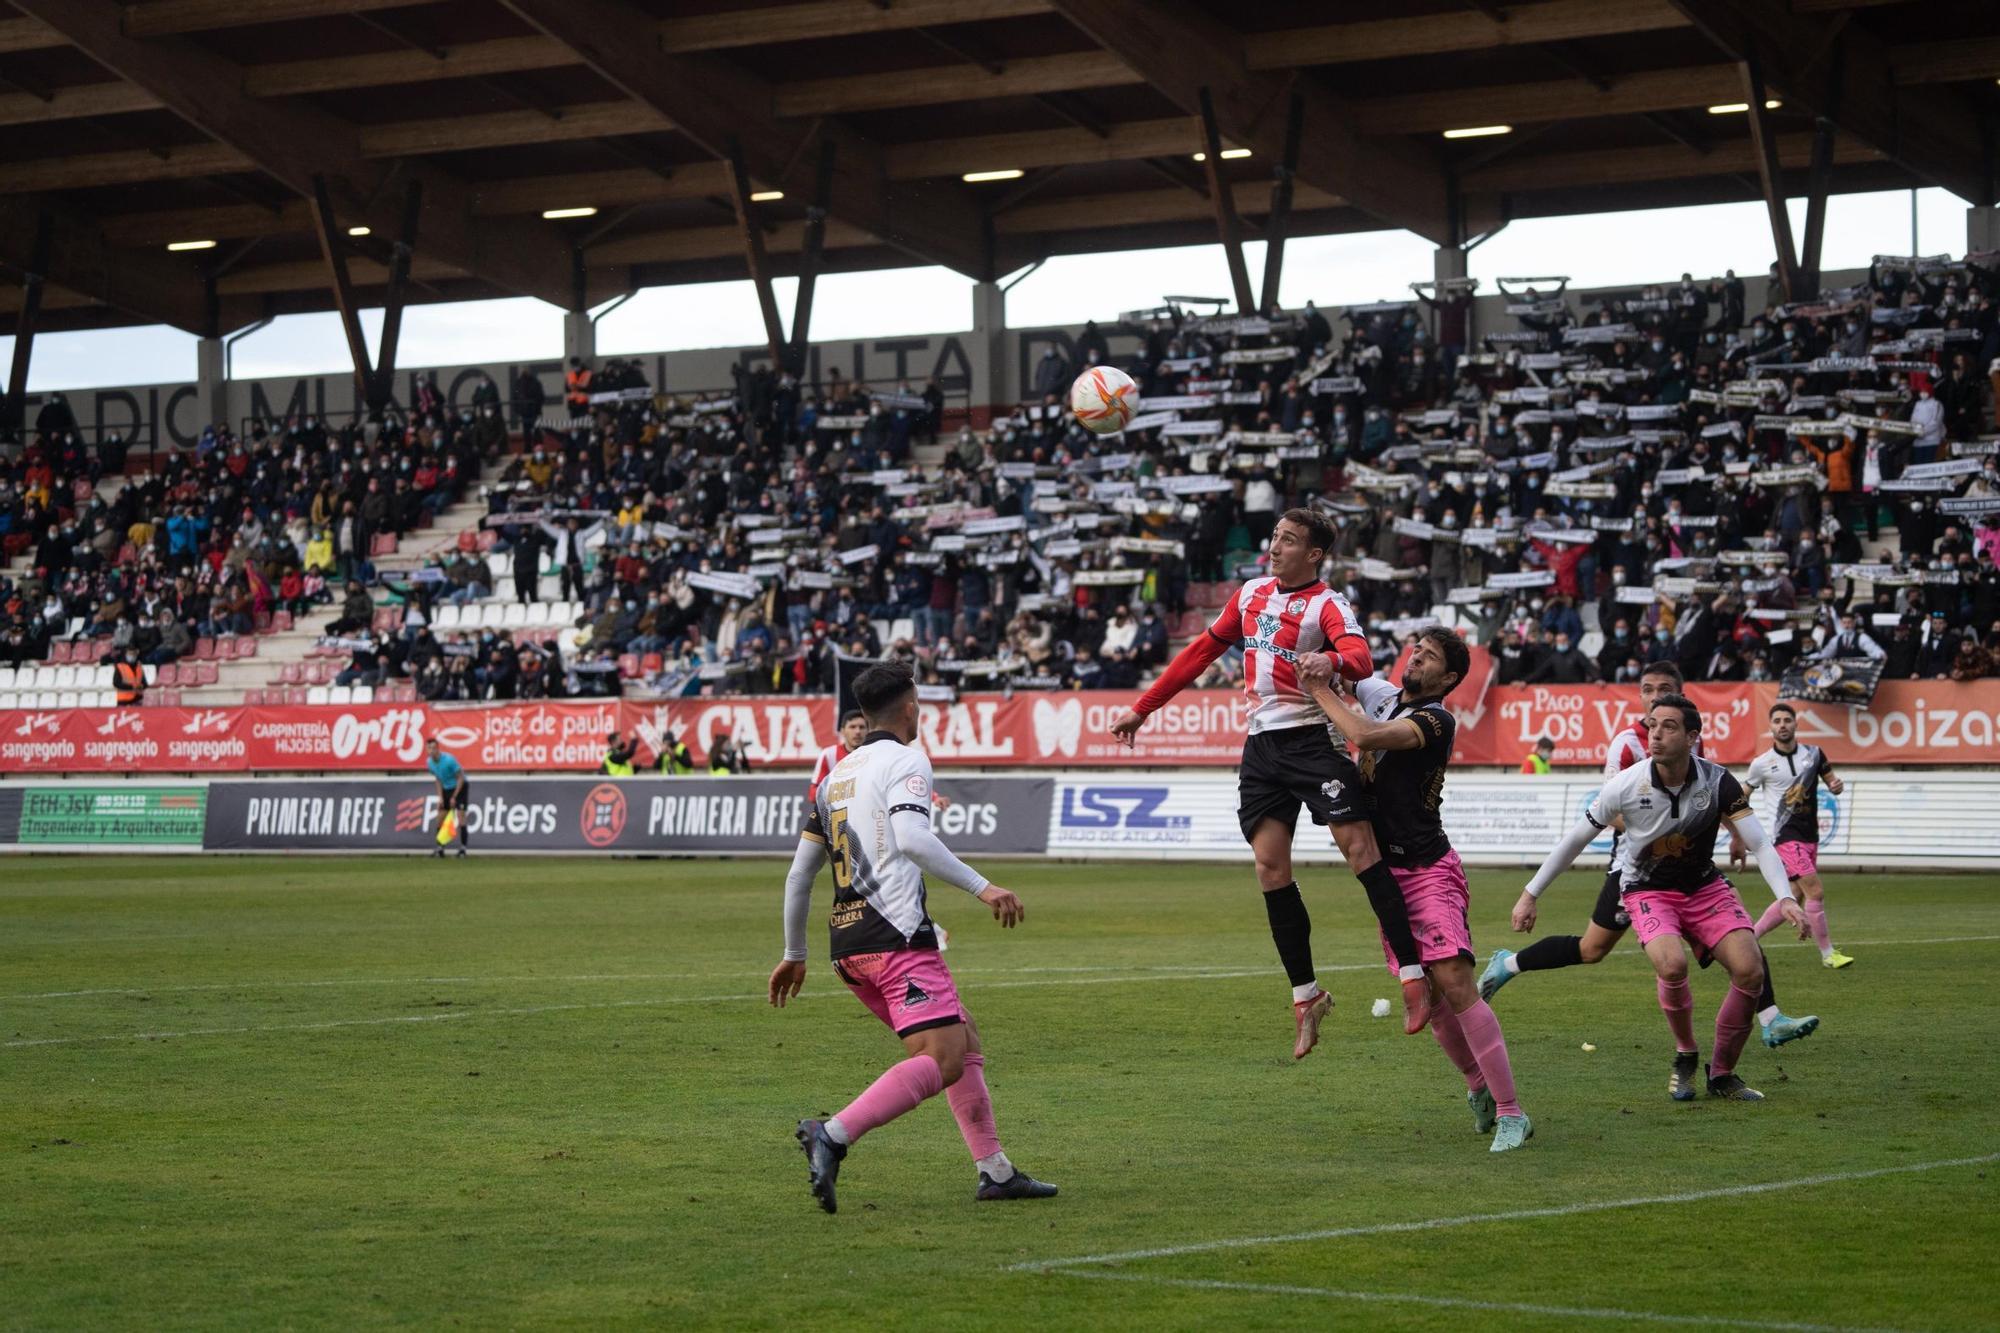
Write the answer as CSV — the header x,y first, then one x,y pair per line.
x,y
319,1093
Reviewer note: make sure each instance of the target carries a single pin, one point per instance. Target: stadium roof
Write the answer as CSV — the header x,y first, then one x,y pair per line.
x,y
127,127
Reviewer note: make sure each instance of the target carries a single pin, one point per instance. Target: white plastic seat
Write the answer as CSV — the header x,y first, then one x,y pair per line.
x,y
490,614
74,627
881,630
8,699
362,694
538,613
340,694
101,678
317,694
46,699
68,699
103,699
65,677
152,673
905,628
6,678
514,615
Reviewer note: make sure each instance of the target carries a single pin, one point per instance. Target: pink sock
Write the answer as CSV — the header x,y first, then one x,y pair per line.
x,y
1444,1026
1482,1032
901,1088
1816,919
1677,1003
974,1109
1769,921
1732,1029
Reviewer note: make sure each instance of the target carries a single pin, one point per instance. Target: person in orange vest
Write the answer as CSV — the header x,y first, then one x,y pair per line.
x,y
1538,758
130,678
576,385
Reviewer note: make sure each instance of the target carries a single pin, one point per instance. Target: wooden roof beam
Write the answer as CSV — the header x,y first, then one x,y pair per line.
x,y
155,288
725,109
1180,50
297,144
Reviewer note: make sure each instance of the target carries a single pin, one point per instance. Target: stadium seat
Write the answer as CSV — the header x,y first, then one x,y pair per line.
x,y
514,615
204,650
46,700
340,694
384,543
537,613
152,674
167,674
881,630
246,646
281,621
102,678
317,694
67,699
6,678
8,699
904,628
628,665
252,698
59,651
361,694
490,615
651,665
468,541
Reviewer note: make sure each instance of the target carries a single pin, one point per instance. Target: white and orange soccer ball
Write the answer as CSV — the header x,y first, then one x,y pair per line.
x,y
1103,399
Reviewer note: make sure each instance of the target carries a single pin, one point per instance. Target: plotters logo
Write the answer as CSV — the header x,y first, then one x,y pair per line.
x,y
1058,727
397,733
410,814
603,815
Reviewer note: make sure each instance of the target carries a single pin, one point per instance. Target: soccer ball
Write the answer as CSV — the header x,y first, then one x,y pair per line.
x,y
1103,399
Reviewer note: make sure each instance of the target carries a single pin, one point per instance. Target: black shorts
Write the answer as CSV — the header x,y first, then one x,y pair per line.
x,y
1610,912
1295,766
456,800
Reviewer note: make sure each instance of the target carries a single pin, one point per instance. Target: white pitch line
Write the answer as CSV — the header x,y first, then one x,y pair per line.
x,y
597,1004
1516,1215
1160,968
1454,1303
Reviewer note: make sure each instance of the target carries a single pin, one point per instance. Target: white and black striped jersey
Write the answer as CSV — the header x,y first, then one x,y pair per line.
x,y
878,899
1787,784
1669,840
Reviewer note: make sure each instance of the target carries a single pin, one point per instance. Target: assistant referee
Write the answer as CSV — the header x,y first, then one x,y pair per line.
x,y
453,790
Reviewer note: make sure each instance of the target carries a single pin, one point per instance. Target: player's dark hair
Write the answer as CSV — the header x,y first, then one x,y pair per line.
x,y
1690,715
1782,707
1669,669
1457,657
1319,532
849,716
883,686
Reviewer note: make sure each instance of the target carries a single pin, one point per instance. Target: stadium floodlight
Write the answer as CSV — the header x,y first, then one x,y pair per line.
x,y
1228,155
767,196
190,245
557,214
1479,132
1005,174
360,231
1737,108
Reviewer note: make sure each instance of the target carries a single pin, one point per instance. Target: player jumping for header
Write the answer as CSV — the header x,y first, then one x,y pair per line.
x,y
1608,920
1290,759
1673,806
871,818
1404,738
1789,775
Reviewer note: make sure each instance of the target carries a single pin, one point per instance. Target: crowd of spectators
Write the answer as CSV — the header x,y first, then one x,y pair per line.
x,y
1659,473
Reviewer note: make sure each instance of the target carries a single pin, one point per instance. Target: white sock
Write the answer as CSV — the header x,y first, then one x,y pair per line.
x,y
1766,1014
1414,972
997,1168
837,1132
1305,992
1513,965
1826,953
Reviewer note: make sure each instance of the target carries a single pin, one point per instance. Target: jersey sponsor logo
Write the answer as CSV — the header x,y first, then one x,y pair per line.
x,y
1268,625
1296,607
915,996
1332,788
1700,800
1668,846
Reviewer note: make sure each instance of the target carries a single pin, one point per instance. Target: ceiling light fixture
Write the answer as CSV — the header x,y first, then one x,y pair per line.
x,y
557,214
1738,108
1479,132
191,245
977,177
1228,155
358,231
767,196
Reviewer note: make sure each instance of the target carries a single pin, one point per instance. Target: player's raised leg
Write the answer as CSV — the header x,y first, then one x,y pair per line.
x,y
1291,930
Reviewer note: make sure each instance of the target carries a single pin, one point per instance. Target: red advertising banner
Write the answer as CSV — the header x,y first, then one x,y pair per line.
x,y
1910,722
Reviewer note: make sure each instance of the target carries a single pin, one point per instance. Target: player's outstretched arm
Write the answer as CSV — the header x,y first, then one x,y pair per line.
x,y
1183,671
914,836
1746,826
790,974
1559,860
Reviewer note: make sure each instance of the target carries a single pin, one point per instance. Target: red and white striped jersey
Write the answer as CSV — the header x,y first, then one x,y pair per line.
x,y
1275,625
1628,747
828,757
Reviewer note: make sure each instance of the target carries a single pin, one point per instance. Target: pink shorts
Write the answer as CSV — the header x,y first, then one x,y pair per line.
x,y
1800,858
909,989
1438,899
1704,916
